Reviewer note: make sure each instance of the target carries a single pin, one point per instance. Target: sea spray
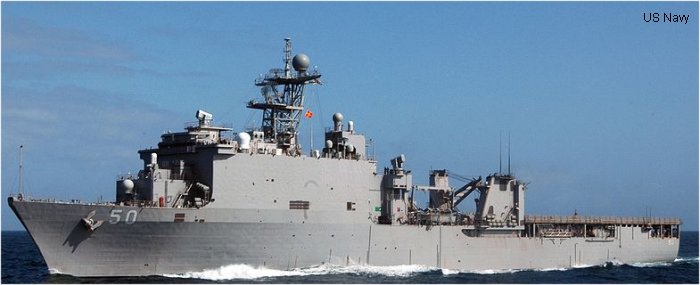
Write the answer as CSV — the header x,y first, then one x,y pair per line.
x,y
236,271
243,271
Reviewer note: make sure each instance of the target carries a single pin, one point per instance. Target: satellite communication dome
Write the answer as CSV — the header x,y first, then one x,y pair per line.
x,y
244,140
337,117
128,185
301,62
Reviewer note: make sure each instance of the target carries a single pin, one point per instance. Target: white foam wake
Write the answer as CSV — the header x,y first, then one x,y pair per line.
x,y
665,263
243,271
508,271
652,264
449,271
686,259
492,271
235,271
391,271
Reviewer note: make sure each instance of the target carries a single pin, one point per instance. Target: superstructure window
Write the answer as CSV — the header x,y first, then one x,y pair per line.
x,y
179,217
298,205
351,206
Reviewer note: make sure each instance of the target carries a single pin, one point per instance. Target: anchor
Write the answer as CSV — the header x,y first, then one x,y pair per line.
x,y
91,224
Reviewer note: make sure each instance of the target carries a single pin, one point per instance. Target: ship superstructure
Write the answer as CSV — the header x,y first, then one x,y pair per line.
x,y
204,200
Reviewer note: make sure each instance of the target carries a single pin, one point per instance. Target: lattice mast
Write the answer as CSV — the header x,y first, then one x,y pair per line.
x,y
283,92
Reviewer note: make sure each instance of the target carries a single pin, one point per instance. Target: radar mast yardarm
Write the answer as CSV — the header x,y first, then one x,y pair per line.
x,y
282,108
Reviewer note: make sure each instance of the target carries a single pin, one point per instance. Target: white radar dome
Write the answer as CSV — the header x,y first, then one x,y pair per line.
x,y
244,140
128,185
301,62
337,117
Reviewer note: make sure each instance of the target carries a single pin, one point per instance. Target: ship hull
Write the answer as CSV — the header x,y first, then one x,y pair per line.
x,y
138,241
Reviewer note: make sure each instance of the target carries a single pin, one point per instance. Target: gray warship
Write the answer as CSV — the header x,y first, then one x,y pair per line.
x,y
208,197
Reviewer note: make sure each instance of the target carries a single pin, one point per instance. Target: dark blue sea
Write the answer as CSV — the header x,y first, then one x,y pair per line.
x,y
22,263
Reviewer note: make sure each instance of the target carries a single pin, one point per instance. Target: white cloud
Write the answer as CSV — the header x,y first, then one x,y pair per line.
x,y
80,122
23,36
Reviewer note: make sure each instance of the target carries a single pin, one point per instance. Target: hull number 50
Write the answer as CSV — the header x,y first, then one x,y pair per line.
x,y
115,216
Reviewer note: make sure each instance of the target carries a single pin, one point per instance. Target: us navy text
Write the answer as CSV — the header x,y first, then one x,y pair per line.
x,y
667,17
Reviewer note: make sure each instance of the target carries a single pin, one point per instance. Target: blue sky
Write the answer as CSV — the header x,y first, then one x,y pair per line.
x,y
601,106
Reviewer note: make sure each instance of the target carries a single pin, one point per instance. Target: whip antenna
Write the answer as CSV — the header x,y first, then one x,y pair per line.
x,y
500,147
508,153
21,186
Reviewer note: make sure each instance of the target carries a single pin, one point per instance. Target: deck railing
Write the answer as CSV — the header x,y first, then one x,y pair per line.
x,y
601,220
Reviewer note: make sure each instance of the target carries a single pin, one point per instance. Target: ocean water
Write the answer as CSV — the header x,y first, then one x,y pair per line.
x,y
22,263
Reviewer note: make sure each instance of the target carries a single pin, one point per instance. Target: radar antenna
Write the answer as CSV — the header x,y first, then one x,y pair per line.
x,y
283,92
